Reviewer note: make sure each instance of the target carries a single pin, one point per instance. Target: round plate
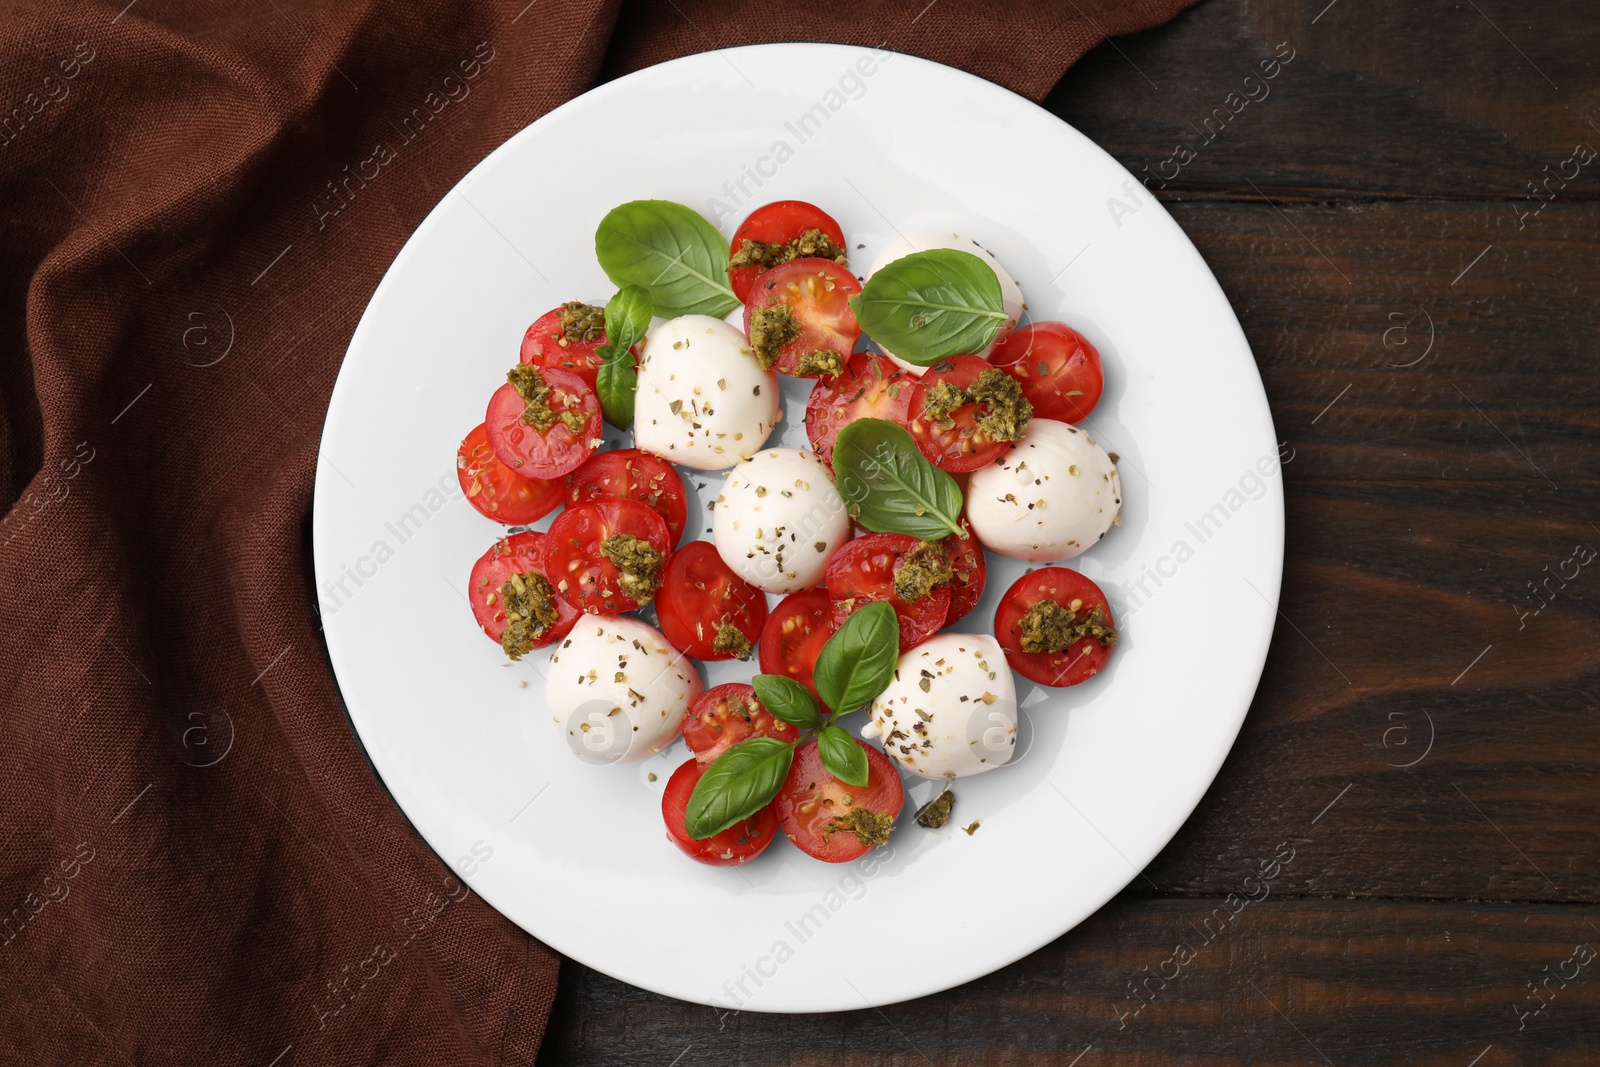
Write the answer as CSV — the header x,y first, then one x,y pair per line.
x,y
1106,772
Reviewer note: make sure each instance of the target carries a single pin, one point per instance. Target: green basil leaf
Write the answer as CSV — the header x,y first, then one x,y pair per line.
x,y
627,318
890,487
787,699
929,305
672,251
741,782
842,757
858,661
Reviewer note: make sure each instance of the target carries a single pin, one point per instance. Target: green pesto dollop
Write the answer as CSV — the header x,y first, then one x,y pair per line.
x,y
825,363
638,565
730,640
536,394
936,812
812,244
921,571
770,329
1005,410
530,607
1050,626
582,322
870,827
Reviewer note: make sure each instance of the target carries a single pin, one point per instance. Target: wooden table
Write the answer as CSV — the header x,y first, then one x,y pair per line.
x,y
1425,738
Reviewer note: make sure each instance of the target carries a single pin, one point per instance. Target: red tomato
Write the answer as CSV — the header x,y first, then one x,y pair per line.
x,y
833,820
727,714
1060,371
957,442
545,345
739,843
498,491
777,224
628,474
795,632
817,293
557,450
699,595
971,570
871,387
1070,590
576,558
522,555
863,570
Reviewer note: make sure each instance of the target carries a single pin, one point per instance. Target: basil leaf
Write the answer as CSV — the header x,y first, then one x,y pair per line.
x,y
672,251
858,661
627,318
842,757
787,699
890,487
741,782
929,305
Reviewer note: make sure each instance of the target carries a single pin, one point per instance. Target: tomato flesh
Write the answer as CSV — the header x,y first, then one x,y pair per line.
x,y
817,293
546,346
863,570
871,387
499,492
739,843
522,554
556,451
956,443
1077,662
814,808
795,633
971,574
700,595
583,574
629,474
725,715
776,224
1059,370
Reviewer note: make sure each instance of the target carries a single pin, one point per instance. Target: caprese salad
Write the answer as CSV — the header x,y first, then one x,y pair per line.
x,y
941,429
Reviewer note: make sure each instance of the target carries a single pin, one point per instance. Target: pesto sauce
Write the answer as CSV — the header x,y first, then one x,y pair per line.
x,y
582,322
530,607
1005,411
730,639
770,329
921,571
638,564
1050,626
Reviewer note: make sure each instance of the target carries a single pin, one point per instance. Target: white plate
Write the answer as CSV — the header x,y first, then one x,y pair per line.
x,y
575,854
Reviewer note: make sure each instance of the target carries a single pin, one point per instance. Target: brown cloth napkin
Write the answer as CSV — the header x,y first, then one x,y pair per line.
x,y
199,865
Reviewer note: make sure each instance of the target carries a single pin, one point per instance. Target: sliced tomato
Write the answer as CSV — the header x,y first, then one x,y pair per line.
x,y
777,224
699,596
520,555
593,571
1060,371
958,441
498,491
739,843
833,820
795,633
864,570
547,345
555,451
629,474
816,294
1070,599
971,573
723,716
871,387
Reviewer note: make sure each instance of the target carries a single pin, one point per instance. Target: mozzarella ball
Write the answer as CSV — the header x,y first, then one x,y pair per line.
x,y
925,240
1049,498
703,400
618,689
951,710
778,519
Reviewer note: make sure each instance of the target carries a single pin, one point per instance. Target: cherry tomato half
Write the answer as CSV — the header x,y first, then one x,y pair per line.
x,y
739,843
520,556
795,633
629,474
498,491
555,451
800,308
1066,603
777,224
607,556
871,387
1060,371
833,820
546,344
699,596
971,573
960,440
724,715
864,570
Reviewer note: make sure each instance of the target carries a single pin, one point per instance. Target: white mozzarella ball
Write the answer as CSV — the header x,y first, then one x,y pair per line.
x,y
778,519
703,400
619,689
925,240
951,710
1053,495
